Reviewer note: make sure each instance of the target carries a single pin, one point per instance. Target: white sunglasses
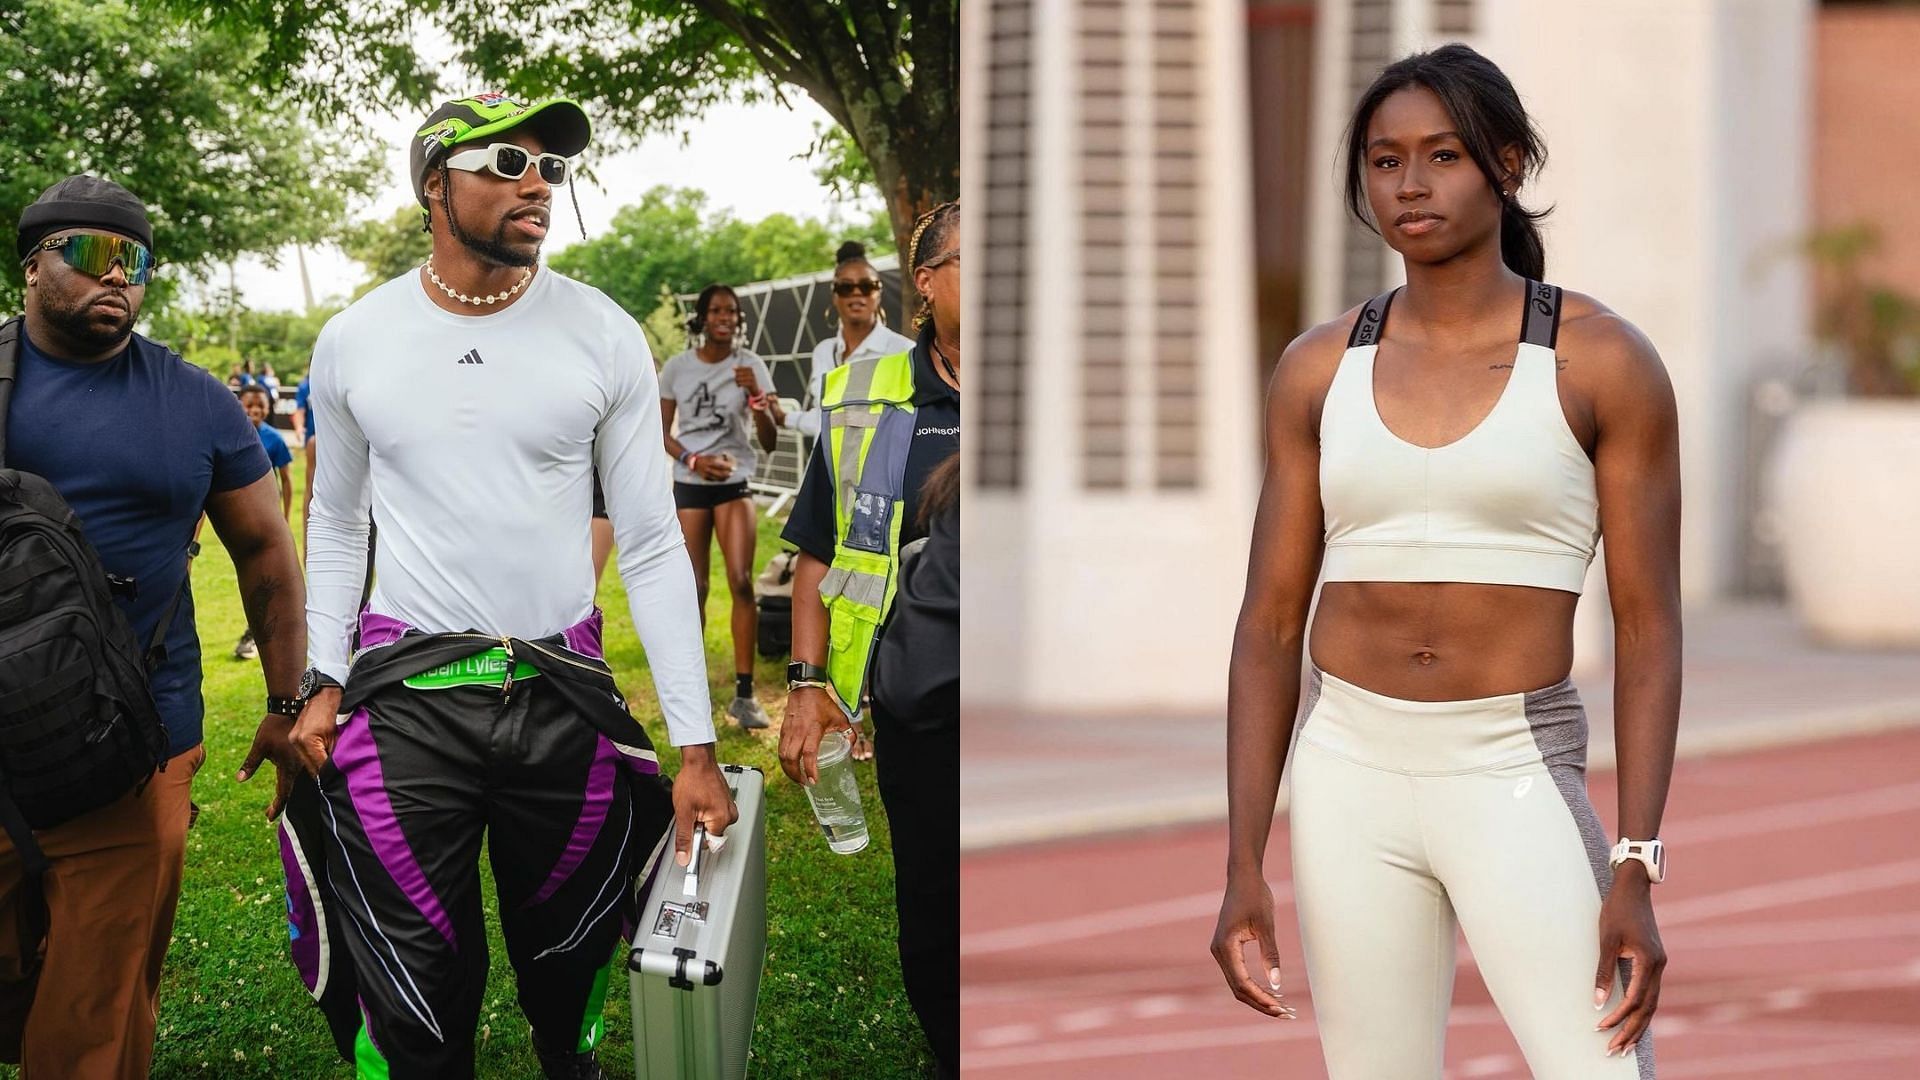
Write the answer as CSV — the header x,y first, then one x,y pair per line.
x,y
510,162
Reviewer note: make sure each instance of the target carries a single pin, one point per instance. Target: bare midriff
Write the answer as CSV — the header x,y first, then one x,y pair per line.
x,y
1443,641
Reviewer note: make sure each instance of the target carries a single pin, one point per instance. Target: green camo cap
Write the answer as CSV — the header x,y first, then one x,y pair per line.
x,y
560,122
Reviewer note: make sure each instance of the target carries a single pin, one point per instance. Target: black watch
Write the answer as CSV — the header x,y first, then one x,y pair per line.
x,y
802,672
312,681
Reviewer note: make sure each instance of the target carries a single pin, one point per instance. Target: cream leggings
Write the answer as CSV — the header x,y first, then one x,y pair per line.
x,y
1411,816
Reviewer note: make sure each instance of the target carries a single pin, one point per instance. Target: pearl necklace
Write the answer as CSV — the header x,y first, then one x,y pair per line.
x,y
525,276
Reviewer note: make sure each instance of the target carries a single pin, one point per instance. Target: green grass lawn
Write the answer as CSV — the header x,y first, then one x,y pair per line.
x,y
831,1001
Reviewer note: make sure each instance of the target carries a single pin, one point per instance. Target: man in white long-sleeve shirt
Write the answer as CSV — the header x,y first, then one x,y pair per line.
x,y
477,700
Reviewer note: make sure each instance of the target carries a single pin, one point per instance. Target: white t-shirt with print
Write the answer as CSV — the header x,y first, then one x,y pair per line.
x,y
710,414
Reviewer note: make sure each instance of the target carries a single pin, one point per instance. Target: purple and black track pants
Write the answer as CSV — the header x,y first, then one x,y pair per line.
x,y
382,853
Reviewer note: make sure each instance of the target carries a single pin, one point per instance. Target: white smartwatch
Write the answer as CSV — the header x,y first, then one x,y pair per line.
x,y
1652,853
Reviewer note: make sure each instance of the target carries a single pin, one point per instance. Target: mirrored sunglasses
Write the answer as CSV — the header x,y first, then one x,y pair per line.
x,y
866,287
95,255
510,162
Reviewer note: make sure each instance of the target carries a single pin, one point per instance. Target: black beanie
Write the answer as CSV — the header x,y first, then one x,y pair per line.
x,y
83,202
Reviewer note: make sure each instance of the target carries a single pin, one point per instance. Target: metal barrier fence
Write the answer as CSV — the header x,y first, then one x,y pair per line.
x,y
785,319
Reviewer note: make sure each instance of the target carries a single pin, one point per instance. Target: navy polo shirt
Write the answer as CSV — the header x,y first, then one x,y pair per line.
x,y
135,445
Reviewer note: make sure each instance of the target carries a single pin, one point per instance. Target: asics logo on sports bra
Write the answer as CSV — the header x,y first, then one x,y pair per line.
x,y
1543,298
1369,326
472,357
1525,785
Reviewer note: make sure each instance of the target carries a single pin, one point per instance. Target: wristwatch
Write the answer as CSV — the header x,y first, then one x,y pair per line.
x,y
312,681
1652,853
800,673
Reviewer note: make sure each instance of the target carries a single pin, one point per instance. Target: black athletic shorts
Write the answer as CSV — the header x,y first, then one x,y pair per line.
x,y
706,496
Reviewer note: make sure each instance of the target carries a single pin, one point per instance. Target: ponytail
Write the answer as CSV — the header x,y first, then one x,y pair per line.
x,y
1521,246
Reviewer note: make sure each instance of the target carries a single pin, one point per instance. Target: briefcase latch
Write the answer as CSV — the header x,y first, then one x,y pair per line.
x,y
671,915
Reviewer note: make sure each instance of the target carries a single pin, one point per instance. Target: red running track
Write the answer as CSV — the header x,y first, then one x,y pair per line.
x,y
1791,922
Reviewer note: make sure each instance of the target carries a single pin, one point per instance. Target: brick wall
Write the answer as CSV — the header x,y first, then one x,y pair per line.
x,y
1866,132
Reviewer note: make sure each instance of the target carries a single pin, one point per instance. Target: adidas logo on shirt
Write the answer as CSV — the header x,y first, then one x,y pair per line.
x,y
472,357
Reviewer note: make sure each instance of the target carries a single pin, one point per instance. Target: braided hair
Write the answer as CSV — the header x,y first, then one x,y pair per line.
x,y
932,232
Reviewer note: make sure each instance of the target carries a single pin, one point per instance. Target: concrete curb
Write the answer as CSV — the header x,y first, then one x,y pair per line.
x,y
1080,822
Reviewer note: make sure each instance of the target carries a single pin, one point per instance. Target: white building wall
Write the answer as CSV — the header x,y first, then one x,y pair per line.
x,y
1120,598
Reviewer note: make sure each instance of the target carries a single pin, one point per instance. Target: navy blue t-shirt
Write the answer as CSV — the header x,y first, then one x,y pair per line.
x,y
302,401
135,445
275,445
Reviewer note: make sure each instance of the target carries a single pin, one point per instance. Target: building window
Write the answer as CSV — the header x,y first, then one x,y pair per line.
x,y
1004,285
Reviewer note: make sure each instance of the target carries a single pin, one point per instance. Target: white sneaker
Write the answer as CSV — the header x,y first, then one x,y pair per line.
x,y
748,714
246,649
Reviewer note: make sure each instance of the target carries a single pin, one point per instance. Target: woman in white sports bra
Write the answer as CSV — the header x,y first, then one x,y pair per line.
x,y
1447,456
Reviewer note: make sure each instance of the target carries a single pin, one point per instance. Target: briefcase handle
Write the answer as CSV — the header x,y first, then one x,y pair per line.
x,y
691,886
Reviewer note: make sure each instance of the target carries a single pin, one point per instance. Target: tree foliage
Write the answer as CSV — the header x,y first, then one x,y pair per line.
x,y
888,73
387,247
224,166
670,242
839,165
218,340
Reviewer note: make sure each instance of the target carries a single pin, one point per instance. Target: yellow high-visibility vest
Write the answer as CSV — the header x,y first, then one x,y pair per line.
x,y
867,409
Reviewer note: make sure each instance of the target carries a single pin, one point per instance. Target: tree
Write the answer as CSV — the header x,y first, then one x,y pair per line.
x,y
669,242
888,73
387,247
283,339
224,166
839,165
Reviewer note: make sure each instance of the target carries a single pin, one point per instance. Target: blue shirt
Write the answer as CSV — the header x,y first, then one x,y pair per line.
x,y
300,401
135,445
271,441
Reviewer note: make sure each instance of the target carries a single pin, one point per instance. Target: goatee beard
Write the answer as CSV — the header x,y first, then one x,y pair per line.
x,y
494,249
86,332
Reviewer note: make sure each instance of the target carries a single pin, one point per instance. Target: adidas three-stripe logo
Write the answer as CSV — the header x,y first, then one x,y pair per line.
x,y
471,358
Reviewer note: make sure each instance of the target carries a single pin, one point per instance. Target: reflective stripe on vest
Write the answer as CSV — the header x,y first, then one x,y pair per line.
x,y
869,411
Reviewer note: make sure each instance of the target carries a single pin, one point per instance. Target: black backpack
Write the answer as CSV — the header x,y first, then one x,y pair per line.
x,y
78,723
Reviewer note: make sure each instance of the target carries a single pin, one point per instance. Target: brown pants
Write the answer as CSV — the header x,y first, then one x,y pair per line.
x,y
113,881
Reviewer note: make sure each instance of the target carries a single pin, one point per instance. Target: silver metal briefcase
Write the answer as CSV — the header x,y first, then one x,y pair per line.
x,y
694,970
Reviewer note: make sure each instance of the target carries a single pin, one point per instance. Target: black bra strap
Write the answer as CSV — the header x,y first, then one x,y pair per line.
x,y
1372,320
1541,325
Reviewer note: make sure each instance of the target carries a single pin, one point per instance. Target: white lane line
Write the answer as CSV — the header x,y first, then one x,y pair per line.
x,y
1798,931
1270,1031
1111,921
1156,1007
1789,891
1006,1035
1749,1064
1083,1020
1807,813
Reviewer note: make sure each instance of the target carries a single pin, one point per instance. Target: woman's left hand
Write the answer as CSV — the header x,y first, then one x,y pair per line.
x,y
1627,932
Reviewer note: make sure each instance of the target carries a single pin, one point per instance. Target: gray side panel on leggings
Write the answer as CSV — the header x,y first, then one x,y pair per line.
x,y
1309,697
1559,725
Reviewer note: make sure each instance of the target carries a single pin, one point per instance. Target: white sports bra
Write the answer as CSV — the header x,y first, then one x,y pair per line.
x,y
1511,502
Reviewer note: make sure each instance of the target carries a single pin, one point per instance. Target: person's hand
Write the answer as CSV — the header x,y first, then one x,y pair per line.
x,y
1627,932
314,732
700,797
1246,914
811,713
712,466
270,744
743,378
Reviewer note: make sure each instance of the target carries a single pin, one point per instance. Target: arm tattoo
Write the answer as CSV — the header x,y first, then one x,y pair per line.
x,y
259,606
